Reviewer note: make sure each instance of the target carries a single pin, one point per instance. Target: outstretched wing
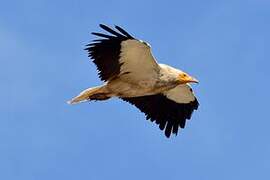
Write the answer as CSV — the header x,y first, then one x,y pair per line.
x,y
169,110
120,54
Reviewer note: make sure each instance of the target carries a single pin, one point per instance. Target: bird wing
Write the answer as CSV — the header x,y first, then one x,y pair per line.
x,y
120,54
169,110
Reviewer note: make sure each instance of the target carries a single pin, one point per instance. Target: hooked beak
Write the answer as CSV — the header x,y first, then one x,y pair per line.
x,y
193,80
188,79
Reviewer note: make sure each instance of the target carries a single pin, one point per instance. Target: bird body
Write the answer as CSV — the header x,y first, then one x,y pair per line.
x,y
131,73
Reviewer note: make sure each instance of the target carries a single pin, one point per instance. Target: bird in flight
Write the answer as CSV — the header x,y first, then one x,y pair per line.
x,y
131,73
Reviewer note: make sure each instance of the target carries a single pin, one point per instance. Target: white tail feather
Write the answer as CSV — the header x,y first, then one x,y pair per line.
x,y
86,95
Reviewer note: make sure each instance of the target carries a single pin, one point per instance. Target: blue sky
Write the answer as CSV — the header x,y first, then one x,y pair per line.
x,y
225,44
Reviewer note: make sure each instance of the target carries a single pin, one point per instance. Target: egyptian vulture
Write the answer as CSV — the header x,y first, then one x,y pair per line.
x,y
131,73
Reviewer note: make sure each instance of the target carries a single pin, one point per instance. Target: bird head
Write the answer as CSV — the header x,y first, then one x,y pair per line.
x,y
184,78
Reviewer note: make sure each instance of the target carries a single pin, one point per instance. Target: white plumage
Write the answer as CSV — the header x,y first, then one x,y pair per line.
x,y
180,94
131,73
138,59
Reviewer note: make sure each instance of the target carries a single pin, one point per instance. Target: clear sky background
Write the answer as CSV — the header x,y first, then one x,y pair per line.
x,y
225,44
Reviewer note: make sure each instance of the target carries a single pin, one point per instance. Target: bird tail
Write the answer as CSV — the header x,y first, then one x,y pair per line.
x,y
94,93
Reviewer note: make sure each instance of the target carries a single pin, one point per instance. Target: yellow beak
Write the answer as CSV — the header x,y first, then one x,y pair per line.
x,y
188,79
193,80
